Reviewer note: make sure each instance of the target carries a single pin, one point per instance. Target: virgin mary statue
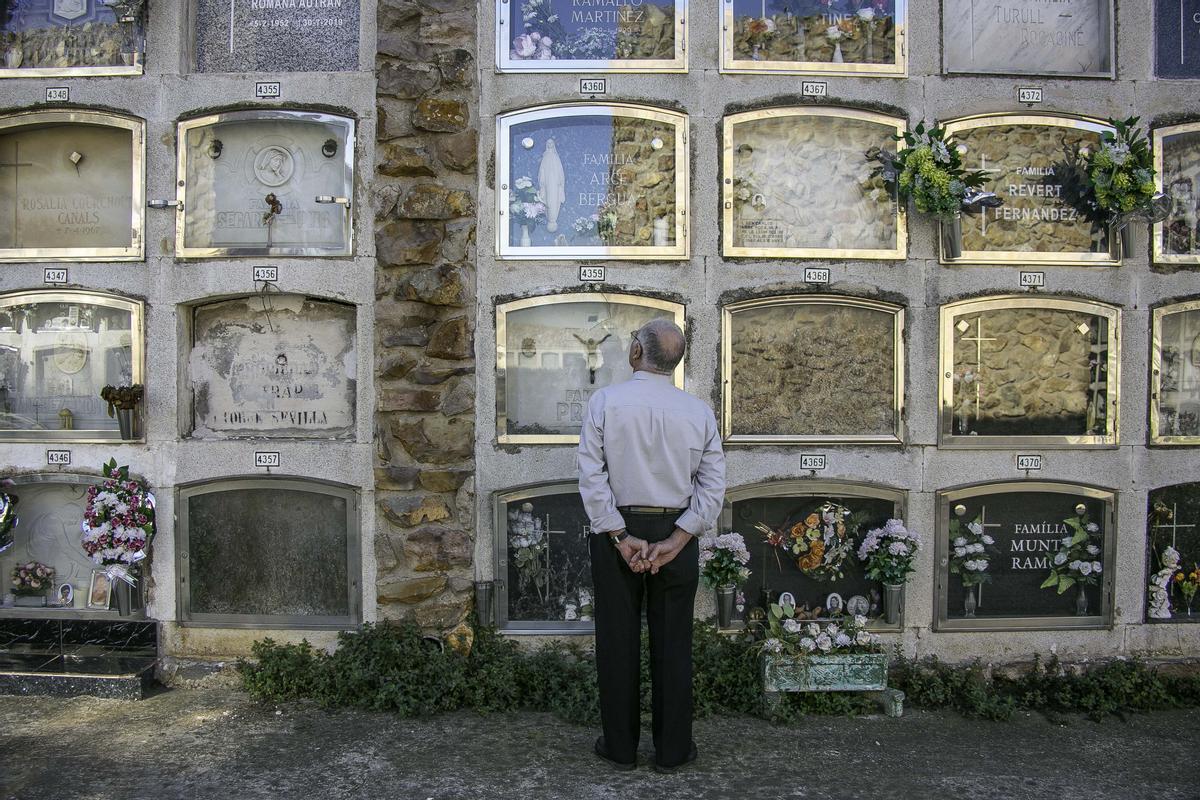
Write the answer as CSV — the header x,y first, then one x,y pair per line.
x,y
552,184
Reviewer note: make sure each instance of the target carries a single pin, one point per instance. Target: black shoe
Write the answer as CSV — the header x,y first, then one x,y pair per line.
x,y
601,751
668,770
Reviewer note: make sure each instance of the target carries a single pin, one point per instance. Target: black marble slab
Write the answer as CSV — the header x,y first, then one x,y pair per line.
x,y
111,677
1177,38
64,636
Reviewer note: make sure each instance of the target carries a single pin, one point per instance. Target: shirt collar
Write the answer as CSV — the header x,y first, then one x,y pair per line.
x,y
642,375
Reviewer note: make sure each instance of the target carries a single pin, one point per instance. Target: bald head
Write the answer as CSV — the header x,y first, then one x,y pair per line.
x,y
662,344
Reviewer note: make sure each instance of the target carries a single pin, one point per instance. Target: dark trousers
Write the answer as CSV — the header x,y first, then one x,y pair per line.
x,y
670,597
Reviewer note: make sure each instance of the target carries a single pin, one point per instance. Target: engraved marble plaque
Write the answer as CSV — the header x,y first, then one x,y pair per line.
x,y
71,37
1177,162
1177,38
70,186
796,184
581,181
554,352
276,35
1029,37
274,365
47,531
266,183
591,35
1033,163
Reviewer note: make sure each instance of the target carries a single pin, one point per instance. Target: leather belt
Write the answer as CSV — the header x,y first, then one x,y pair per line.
x,y
649,510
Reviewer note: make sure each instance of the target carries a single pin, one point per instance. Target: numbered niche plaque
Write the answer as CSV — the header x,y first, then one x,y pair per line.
x,y
1173,560
543,567
824,580
265,182
591,36
273,365
1029,371
812,368
1034,163
553,352
1177,168
1000,544
268,553
57,351
71,186
1069,38
1175,375
839,37
797,185
40,38
591,181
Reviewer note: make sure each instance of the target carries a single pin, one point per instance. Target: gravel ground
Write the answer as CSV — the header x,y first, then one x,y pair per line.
x,y
218,743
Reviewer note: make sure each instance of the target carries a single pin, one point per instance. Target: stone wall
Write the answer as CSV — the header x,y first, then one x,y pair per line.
x,y
424,205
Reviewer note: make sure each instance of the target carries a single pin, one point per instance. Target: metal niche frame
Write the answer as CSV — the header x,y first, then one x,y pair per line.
x,y
504,124
505,63
136,68
1157,316
1007,257
184,492
677,310
951,312
1160,137
103,119
732,65
137,347
898,322
945,499
835,489
500,503
1109,74
345,191
891,125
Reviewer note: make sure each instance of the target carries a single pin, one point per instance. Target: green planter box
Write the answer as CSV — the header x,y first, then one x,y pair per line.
x,y
849,672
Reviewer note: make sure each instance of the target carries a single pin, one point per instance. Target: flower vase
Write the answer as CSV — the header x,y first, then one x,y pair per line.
x,y
725,598
526,241
484,592
969,604
951,233
1081,602
123,596
892,602
125,422
1120,241
837,53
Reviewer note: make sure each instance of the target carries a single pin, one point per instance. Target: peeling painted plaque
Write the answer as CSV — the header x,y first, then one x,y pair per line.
x,y
274,365
554,352
71,37
1029,37
276,35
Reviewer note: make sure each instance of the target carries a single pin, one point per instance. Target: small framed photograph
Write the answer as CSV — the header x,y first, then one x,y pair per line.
x,y
66,595
100,592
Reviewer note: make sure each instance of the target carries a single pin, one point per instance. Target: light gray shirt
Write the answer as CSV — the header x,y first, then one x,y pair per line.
x,y
646,443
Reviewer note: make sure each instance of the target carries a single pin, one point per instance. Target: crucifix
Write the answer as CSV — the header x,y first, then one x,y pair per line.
x,y
983,523
964,326
983,167
16,165
593,356
1174,527
546,532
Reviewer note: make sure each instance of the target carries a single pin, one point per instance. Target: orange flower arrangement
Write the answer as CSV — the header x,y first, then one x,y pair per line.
x,y
819,542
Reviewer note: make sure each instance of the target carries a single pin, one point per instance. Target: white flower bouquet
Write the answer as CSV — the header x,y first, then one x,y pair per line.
x,y
723,560
1078,558
889,552
791,636
971,551
33,578
526,205
118,522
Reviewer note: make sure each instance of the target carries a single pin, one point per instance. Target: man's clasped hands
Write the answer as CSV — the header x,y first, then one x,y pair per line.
x,y
641,556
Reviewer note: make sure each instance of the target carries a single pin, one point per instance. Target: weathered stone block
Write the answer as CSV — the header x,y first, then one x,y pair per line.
x,y
408,242
459,399
432,201
452,27
437,439
442,614
444,286
392,476
406,80
435,548
411,590
441,115
404,161
451,340
395,365
383,198
427,374
459,151
442,480
393,118
386,558
409,511
457,67
393,399
464,502
405,332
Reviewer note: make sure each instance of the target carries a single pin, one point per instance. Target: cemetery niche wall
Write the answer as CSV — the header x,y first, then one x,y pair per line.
x,y
779,383
1173,557
265,182
58,349
795,184
1177,38
543,567
824,583
1068,38
586,180
591,36
554,351
50,509
1175,374
273,365
841,37
275,36
999,545
1177,173
1035,163
44,38
1029,371
71,186
278,552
